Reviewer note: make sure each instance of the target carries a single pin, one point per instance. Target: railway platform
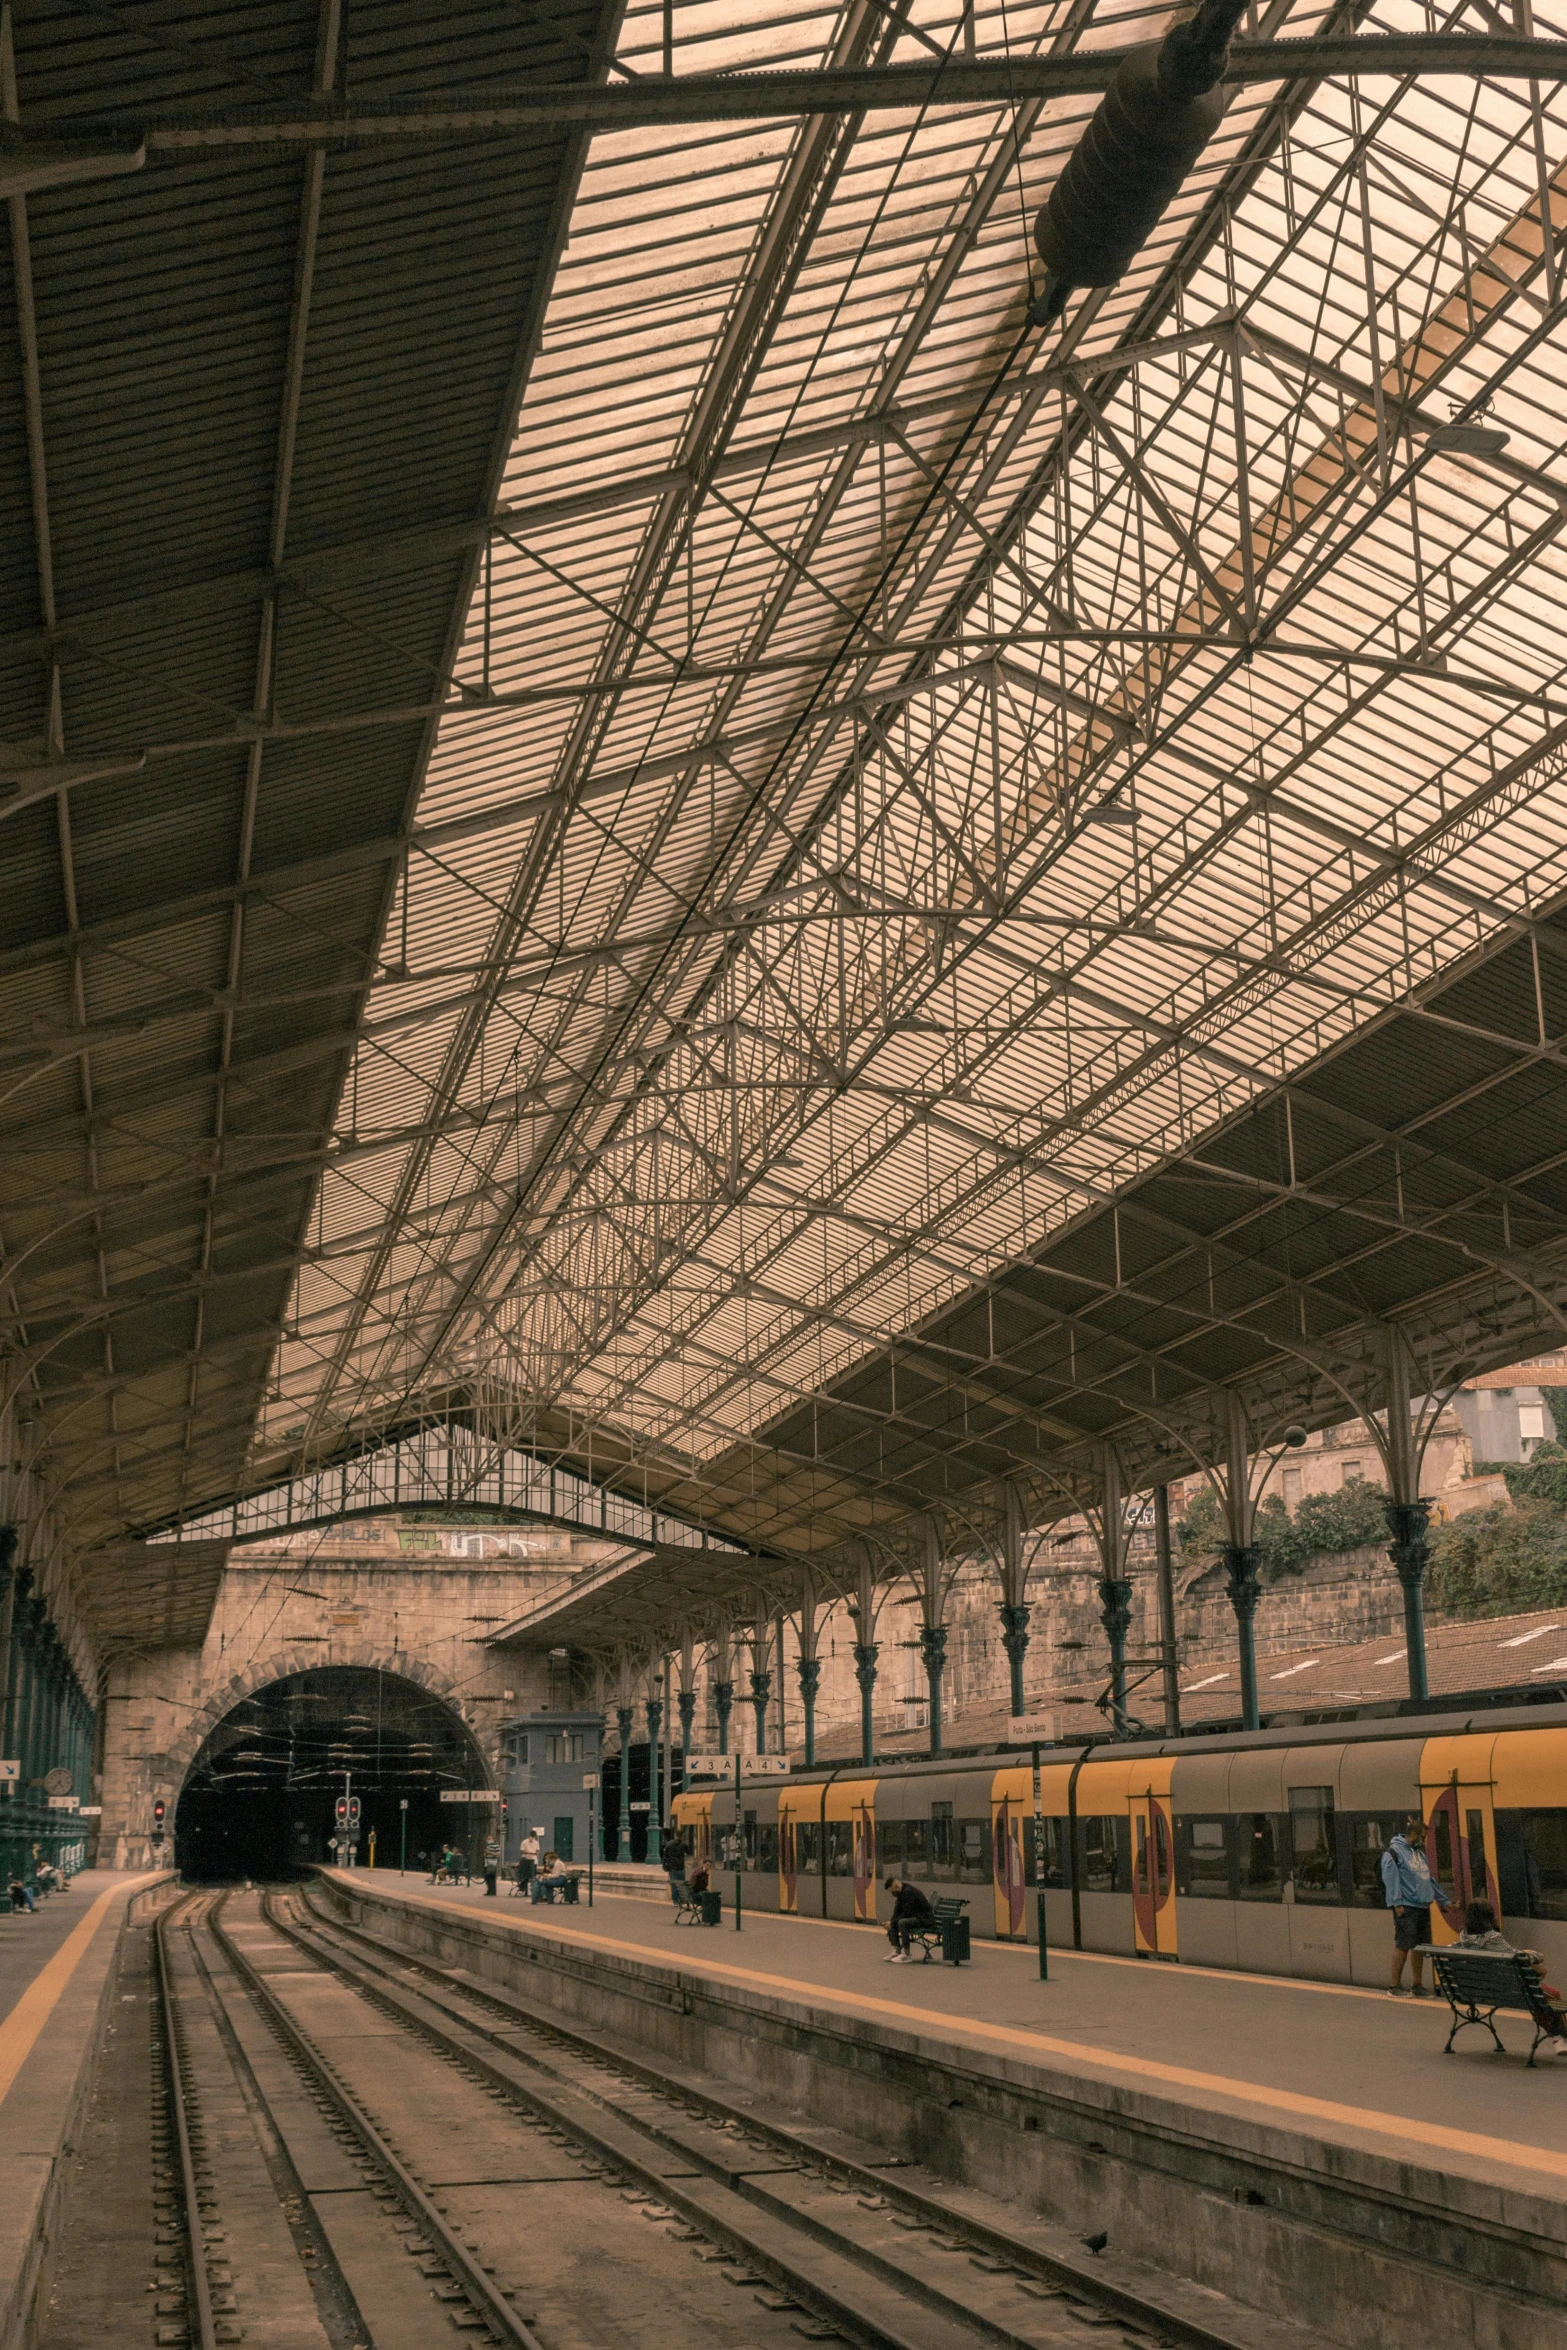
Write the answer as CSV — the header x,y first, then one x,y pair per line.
x,y
57,1969
1299,2145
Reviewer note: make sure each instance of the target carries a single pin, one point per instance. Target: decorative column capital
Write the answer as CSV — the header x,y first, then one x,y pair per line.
x,y
1014,1631
1115,1603
1408,1523
810,1672
865,1655
933,1648
761,1688
1242,1562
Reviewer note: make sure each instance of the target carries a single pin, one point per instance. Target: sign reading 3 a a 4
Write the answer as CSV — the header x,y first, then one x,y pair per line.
x,y
470,1795
722,1766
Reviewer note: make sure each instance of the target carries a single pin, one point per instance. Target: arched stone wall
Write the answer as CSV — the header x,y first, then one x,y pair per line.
x,y
283,1664
425,1620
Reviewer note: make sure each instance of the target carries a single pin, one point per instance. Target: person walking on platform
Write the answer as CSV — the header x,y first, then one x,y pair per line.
x,y
911,1915
492,1867
674,1857
1410,1889
527,1862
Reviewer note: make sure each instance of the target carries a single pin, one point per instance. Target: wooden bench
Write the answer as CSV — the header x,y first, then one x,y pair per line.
x,y
931,1939
1475,1983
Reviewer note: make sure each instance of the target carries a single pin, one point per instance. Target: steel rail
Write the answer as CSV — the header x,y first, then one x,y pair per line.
x,y
742,97
485,2295
1134,2307
206,2336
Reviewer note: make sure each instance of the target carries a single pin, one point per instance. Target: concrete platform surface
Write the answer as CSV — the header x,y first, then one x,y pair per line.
x,y
55,1971
1334,2063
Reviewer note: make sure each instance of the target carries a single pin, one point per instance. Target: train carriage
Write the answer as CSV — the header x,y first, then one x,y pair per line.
x,y
1260,1851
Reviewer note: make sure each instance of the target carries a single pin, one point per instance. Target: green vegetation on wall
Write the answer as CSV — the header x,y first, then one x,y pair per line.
x,y
1502,1562
1324,1523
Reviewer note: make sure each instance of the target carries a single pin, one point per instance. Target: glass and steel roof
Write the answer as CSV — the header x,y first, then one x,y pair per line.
x,y
861,788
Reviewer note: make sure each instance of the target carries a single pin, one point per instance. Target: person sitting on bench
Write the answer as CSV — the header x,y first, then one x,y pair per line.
x,y
911,1915
550,1883
698,1878
1481,1932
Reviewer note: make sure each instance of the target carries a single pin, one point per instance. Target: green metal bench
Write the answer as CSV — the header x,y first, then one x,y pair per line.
x,y
1476,1983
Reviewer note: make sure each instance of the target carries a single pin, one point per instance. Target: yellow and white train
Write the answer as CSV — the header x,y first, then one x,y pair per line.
x,y
1260,1851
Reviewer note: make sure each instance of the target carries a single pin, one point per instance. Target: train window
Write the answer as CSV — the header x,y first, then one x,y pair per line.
x,y
808,1844
1202,1859
1531,1863
840,1848
889,1844
1442,1848
943,1852
1369,1833
1107,1854
974,1861
750,1840
1261,1855
916,1848
1314,1843
767,1846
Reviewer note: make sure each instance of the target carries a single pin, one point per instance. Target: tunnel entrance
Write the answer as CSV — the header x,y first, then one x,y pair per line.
x,y
258,1801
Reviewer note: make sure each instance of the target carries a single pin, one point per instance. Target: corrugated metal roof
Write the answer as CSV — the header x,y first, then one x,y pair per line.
x,y
241,358
904,786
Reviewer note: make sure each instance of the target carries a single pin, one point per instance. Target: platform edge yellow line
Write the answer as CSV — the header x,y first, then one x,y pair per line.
x,y
20,2029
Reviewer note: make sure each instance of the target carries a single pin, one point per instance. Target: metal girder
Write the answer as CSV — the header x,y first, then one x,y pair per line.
x,y
694,98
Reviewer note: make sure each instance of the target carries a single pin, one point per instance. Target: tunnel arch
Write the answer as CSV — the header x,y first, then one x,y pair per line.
x,y
260,1780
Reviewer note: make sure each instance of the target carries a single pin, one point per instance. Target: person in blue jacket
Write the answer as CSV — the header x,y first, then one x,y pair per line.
x,y
1411,1889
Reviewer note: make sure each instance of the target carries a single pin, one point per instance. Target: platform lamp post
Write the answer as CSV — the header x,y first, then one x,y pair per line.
x,y
1169,1659
1039,1864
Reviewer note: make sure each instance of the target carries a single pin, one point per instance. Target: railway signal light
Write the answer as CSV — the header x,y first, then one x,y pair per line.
x,y
342,1811
157,1818
353,1811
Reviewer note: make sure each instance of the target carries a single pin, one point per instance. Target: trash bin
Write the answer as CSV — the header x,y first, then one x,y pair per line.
x,y
954,1941
569,1889
712,1908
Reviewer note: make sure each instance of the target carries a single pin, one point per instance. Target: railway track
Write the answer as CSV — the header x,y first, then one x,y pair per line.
x,y
365,2153
799,2204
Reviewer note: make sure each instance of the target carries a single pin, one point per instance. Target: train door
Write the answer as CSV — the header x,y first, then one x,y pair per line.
x,y
1153,1860
694,1819
864,1823
788,1852
849,1848
1011,1805
1457,1794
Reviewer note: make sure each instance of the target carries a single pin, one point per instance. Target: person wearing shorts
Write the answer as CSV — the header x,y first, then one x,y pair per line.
x,y
1411,1890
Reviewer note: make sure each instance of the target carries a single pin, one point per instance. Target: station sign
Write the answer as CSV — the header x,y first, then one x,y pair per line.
x,y
752,1766
590,1779
1023,1728
61,1802
470,1795
10,1773
91,1811
639,1807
